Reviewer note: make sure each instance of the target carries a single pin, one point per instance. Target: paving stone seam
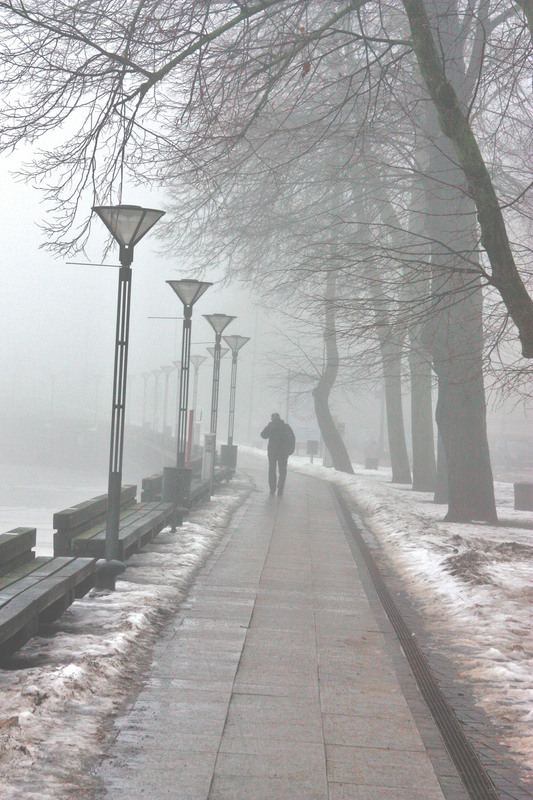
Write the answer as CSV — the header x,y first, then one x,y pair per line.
x,y
235,525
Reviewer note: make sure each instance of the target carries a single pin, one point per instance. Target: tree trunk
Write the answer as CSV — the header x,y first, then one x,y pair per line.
x,y
461,420
455,329
328,429
455,125
424,466
527,8
330,434
391,354
441,488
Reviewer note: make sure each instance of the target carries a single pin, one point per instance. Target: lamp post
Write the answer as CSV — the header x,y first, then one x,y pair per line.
x,y
219,323
223,351
228,452
146,375
157,374
197,362
127,224
177,365
166,370
177,482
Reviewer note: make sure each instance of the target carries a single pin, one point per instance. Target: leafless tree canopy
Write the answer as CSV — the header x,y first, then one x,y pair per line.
x,y
204,93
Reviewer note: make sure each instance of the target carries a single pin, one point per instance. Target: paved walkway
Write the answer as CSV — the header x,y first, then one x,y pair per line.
x,y
280,679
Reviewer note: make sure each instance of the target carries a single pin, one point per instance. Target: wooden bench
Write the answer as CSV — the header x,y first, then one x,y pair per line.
x,y
35,590
139,524
75,520
81,529
201,489
151,488
223,474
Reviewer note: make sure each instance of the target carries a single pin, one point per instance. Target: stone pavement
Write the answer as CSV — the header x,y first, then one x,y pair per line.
x,y
280,677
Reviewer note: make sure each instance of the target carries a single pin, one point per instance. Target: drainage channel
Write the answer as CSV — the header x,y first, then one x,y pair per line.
x,y
476,781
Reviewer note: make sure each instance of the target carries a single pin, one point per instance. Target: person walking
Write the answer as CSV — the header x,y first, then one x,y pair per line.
x,y
281,443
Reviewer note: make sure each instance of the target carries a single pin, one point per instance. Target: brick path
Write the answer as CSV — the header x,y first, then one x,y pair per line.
x,y
280,678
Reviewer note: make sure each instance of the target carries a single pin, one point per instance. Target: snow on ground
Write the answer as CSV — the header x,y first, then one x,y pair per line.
x,y
64,685
473,581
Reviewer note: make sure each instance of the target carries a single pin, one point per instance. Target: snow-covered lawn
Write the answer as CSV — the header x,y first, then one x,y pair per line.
x,y
474,583
53,706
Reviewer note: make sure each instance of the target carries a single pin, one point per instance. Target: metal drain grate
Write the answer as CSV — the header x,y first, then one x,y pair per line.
x,y
474,776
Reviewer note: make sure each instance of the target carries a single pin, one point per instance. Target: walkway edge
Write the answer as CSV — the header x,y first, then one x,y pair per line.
x,y
474,776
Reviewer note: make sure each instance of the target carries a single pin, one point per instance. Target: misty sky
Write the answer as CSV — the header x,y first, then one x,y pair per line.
x,y
59,328
59,322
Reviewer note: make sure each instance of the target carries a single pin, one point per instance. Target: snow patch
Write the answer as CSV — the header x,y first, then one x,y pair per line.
x,y
474,583
66,683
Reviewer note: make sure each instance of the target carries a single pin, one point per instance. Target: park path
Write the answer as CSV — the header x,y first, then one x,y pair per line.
x,y
280,677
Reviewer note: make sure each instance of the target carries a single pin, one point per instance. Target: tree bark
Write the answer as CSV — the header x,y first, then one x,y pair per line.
x,y
328,429
527,8
441,489
424,466
455,125
391,354
455,330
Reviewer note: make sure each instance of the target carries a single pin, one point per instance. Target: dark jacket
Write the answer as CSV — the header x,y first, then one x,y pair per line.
x,y
279,436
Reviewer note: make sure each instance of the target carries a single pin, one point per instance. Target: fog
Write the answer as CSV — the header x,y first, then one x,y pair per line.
x,y
59,334
58,346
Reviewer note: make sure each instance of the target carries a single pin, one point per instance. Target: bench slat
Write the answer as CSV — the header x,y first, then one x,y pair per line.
x,y
45,570
36,599
135,530
14,544
22,570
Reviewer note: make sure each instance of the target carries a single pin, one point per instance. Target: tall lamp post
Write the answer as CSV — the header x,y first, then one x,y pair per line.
x,y
127,224
177,365
219,323
157,374
197,362
177,482
146,375
223,351
167,370
228,452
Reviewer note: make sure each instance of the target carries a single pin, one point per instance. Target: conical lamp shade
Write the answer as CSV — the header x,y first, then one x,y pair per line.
x,y
223,351
236,342
128,224
188,290
219,321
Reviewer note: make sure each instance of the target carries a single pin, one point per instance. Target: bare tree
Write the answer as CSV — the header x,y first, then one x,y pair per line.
x,y
191,79
321,392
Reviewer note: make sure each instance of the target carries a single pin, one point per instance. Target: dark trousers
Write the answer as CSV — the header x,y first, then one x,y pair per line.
x,y
279,462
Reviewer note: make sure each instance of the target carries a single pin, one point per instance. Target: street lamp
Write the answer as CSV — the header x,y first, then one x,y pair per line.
x,y
177,365
157,374
177,483
228,453
223,351
219,322
127,224
197,362
146,376
167,371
